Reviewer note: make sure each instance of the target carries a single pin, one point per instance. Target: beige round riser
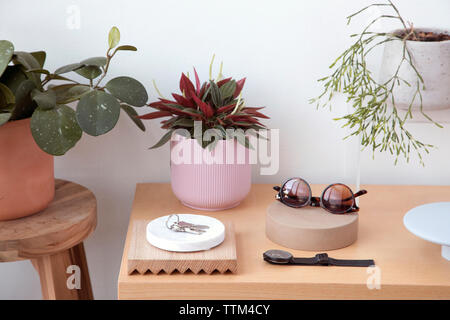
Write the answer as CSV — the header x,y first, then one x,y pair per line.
x,y
311,229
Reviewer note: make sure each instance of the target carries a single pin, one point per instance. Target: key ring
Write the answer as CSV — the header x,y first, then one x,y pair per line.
x,y
182,226
168,219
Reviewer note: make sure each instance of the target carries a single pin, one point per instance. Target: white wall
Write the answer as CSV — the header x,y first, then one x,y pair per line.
x,y
282,47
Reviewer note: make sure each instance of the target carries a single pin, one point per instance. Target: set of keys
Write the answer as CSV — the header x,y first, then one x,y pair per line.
x,y
183,226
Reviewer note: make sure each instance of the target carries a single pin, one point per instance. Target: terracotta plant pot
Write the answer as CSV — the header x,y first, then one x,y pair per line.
x,y
27,183
432,60
212,183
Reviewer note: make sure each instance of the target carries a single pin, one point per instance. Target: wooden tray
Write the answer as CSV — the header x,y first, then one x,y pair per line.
x,y
143,257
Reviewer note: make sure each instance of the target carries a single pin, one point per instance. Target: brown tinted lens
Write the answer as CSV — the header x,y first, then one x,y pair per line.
x,y
338,198
295,192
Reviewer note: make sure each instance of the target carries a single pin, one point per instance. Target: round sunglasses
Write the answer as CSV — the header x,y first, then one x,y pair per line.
x,y
336,198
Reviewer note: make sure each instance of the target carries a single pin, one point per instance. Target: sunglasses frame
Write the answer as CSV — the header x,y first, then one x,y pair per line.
x,y
316,201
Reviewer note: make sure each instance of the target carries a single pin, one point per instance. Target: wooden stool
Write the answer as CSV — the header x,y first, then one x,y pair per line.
x,y
53,240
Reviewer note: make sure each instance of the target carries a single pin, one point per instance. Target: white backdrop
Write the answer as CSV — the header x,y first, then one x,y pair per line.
x,y
282,47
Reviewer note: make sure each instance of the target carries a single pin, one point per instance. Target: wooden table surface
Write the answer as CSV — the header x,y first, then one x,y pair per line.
x,y
409,267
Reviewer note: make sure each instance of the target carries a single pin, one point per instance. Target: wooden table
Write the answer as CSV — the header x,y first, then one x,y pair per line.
x,y
53,240
409,267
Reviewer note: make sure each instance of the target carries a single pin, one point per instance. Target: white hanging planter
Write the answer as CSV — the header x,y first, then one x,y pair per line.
x,y
432,61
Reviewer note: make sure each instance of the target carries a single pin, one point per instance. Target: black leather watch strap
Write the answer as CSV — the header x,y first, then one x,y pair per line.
x,y
351,263
322,259
304,261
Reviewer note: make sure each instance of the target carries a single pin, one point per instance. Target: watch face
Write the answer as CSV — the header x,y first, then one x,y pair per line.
x,y
277,256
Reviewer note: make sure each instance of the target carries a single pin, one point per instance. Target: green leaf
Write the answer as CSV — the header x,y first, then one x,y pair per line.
x,y
6,107
244,141
55,131
163,140
6,53
89,72
113,37
45,100
25,106
69,68
128,90
25,59
67,93
41,71
215,94
29,63
6,97
40,57
58,77
4,118
221,129
126,47
184,122
133,115
227,90
97,112
13,77
95,61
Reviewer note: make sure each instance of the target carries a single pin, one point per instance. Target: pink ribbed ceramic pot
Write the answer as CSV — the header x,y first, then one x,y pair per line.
x,y
209,180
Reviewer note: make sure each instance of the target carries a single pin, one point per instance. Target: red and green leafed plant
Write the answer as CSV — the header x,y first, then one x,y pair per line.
x,y
217,104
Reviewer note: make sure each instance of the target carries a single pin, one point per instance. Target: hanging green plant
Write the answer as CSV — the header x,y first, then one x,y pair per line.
x,y
375,117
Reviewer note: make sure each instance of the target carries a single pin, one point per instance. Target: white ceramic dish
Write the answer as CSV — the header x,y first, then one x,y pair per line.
x,y
161,237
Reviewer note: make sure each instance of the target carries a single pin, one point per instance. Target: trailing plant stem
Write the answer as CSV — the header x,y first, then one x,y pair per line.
x,y
375,117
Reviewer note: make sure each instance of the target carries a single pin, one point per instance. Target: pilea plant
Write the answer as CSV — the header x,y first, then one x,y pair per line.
x,y
27,90
375,117
216,104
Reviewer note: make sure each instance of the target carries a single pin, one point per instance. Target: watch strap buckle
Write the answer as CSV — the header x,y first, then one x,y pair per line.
x,y
322,259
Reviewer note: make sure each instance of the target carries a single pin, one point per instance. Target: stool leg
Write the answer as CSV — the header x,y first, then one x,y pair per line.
x,y
79,257
54,275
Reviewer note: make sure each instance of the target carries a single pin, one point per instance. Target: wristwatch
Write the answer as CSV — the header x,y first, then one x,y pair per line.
x,y
321,259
